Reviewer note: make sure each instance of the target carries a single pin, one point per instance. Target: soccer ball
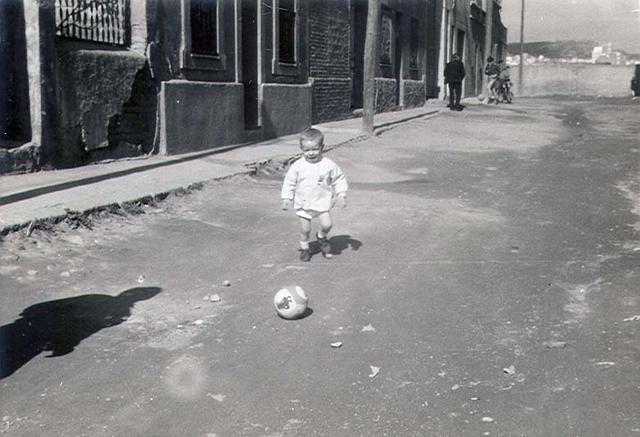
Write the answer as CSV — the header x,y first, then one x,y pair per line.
x,y
290,302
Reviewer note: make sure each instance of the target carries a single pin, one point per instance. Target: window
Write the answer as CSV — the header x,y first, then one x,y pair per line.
x,y
202,35
103,21
286,31
204,27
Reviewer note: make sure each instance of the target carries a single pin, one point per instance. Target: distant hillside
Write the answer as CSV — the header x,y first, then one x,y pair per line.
x,y
555,49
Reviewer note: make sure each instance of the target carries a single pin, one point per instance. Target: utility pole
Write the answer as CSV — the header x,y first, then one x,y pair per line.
x,y
520,67
488,43
370,63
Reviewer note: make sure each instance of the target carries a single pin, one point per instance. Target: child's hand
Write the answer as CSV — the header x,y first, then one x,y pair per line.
x,y
341,202
286,204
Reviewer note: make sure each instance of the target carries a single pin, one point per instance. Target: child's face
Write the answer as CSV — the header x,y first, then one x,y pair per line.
x,y
312,150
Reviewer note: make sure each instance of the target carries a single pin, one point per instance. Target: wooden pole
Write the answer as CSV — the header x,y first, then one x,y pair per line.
x,y
521,66
370,63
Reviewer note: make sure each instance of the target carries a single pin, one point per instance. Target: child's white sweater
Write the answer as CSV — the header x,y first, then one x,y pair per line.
x,y
312,186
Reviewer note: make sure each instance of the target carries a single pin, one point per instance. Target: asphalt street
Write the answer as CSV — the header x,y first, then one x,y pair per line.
x,y
484,282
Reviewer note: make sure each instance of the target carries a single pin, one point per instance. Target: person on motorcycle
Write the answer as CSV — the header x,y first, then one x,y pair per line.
x,y
505,84
492,72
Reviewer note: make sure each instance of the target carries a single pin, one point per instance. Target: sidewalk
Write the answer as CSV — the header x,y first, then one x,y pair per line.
x,y
26,198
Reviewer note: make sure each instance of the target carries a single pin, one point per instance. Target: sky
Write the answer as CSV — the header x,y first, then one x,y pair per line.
x,y
601,21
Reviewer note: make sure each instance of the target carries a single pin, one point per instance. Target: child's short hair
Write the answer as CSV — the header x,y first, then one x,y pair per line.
x,y
312,134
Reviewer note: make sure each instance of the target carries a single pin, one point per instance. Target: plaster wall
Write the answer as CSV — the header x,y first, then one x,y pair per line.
x,y
286,109
92,88
574,80
200,115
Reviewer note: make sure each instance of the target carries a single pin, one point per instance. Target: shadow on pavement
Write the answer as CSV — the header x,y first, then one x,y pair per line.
x,y
338,244
307,313
58,326
342,242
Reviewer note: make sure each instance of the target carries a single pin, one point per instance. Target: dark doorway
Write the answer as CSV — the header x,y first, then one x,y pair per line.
x,y
250,62
358,34
15,120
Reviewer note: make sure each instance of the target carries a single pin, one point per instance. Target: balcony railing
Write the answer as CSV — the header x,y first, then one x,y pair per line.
x,y
103,21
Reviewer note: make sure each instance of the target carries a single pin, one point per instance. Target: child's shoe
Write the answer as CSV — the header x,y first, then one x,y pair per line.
x,y
325,246
305,255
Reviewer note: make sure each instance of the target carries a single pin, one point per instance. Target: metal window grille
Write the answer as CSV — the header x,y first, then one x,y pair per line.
x,y
104,21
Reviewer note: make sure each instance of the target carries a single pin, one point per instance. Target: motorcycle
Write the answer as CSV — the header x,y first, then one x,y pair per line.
x,y
504,92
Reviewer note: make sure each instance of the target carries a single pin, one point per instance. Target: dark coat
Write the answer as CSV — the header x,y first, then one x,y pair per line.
x,y
454,72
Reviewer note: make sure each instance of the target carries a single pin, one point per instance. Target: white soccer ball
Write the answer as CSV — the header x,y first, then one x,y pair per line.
x,y
290,302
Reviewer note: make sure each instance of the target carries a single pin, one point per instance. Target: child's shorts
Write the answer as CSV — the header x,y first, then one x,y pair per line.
x,y
309,213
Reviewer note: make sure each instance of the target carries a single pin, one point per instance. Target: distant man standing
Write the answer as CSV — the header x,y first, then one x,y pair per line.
x,y
453,75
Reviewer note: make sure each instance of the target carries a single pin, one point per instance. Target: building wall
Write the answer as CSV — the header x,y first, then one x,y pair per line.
x,y
105,97
385,90
574,80
329,59
195,119
286,109
433,22
331,98
498,33
471,19
413,93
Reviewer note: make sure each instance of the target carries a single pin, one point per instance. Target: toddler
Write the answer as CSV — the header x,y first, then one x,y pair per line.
x,y
312,185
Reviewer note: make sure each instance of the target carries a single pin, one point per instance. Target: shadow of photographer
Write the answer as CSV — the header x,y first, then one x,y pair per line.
x,y
58,326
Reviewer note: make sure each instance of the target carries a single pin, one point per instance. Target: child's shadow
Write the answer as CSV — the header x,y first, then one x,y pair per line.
x,y
339,243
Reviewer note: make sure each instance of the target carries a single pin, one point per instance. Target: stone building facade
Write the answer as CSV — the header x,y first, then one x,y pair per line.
x,y
407,48
85,80
464,31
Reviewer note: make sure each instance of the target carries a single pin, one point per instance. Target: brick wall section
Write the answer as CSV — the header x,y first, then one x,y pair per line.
x,y
331,98
414,93
385,95
329,35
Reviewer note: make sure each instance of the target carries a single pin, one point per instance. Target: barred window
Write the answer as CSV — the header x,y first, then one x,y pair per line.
x,y
287,31
204,27
104,21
